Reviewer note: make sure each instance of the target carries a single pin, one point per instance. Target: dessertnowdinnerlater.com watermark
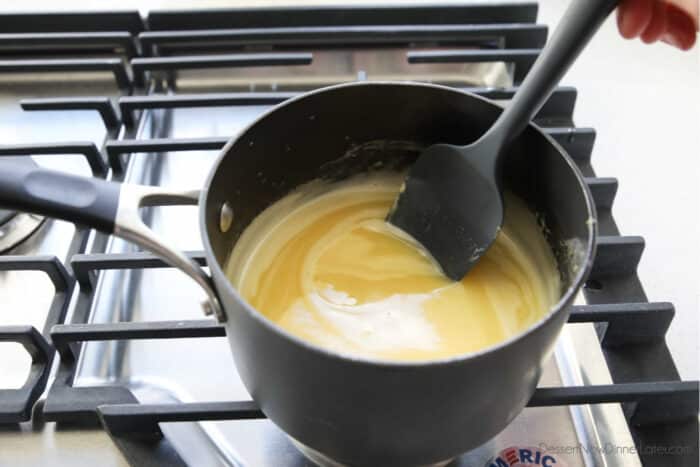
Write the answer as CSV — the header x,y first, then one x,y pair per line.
x,y
610,449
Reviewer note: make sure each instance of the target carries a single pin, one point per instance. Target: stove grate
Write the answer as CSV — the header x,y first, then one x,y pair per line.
x,y
16,404
660,409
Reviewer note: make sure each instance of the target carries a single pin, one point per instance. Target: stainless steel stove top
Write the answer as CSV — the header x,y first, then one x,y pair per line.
x,y
173,371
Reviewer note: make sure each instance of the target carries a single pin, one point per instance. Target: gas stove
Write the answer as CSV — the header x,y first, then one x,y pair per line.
x,y
106,357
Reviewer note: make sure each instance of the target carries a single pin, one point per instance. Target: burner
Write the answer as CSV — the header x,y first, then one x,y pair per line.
x,y
323,461
5,216
15,227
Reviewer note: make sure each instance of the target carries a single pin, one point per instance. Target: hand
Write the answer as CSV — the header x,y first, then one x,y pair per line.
x,y
672,21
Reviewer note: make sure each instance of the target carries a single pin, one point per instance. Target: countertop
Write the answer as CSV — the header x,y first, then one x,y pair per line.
x,y
644,102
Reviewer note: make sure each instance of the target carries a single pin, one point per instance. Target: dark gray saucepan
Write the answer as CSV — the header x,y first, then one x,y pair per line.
x,y
354,410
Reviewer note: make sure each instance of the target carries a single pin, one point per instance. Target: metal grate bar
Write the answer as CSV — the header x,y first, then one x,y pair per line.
x,y
131,419
558,109
83,264
122,418
141,65
616,257
84,148
69,21
50,265
113,65
510,36
16,404
44,41
609,393
578,143
146,330
522,59
307,16
116,148
147,443
627,323
603,190
79,404
103,105
652,321
129,104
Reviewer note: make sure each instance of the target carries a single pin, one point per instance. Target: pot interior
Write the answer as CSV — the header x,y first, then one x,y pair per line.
x,y
342,131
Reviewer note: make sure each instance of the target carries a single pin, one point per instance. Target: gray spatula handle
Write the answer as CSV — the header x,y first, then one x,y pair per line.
x,y
579,24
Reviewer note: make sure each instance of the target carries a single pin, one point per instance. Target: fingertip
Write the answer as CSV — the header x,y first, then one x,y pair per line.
x,y
680,41
658,24
623,23
633,17
625,31
680,29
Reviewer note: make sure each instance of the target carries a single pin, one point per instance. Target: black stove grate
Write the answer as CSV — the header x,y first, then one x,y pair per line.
x,y
16,404
661,410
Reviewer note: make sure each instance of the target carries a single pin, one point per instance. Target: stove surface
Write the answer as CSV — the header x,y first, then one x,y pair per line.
x,y
201,370
191,370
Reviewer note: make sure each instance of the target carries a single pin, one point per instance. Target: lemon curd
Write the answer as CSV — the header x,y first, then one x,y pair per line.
x,y
322,264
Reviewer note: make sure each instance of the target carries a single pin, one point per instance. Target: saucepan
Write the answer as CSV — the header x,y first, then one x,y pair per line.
x,y
356,411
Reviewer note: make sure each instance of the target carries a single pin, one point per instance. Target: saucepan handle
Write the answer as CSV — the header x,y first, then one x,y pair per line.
x,y
107,206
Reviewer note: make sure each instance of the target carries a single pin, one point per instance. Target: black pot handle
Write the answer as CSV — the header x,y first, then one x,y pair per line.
x,y
110,207
89,201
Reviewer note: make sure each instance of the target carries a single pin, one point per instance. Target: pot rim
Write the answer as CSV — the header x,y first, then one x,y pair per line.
x,y
559,307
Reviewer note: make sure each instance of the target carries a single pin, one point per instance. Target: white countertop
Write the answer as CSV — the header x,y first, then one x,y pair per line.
x,y
644,101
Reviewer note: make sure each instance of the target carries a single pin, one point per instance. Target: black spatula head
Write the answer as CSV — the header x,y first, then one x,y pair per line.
x,y
452,205
452,202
